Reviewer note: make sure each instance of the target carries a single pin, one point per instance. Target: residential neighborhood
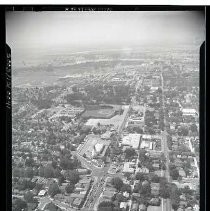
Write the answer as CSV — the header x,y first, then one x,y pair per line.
x,y
108,130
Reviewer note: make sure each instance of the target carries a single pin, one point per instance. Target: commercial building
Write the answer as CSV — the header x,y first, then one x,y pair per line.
x,y
146,145
132,140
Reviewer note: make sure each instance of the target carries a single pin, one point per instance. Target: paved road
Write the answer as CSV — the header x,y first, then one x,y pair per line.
x,y
166,202
63,206
99,173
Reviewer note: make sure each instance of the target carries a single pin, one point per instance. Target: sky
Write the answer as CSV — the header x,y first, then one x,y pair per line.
x,y
46,30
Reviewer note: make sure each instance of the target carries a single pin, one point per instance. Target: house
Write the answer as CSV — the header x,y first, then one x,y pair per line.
x,y
182,172
82,171
35,192
145,182
42,193
188,209
182,197
158,173
154,202
75,195
108,194
126,194
34,179
63,188
59,197
77,202
154,208
143,170
142,207
136,196
123,205
135,207
156,166
69,200
183,203
196,207
85,181
155,188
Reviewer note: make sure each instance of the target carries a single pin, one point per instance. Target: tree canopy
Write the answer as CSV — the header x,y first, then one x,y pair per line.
x,y
117,183
53,189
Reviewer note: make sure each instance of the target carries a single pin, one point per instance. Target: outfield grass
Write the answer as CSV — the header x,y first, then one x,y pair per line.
x,y
100,113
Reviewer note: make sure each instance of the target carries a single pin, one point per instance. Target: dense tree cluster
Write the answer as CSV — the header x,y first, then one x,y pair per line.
x,y
53,189
117,183
19,205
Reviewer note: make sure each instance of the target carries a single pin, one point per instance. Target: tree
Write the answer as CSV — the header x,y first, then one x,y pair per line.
x,y
52,207
130,153
165,193
54,164
29,172
175,197
164,190
41,171
72,176
127,175
126,187
25,184
138,130
53,189
106,206
140,176
29,197
117,183
174,174
186,167
183,131
155,178
17,172
61,179
187,190
85,130
19,205
29,162
69,188
48,172
38,187
137,188
194,128
51,139
65,163
142,155
146,189
57,173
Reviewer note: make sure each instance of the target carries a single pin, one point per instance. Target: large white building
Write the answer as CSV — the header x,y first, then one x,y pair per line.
x,y
132,140
146,145
189,112
97,149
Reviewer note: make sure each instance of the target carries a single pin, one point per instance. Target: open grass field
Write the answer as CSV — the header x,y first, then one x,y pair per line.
x,y
116,120
99,113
